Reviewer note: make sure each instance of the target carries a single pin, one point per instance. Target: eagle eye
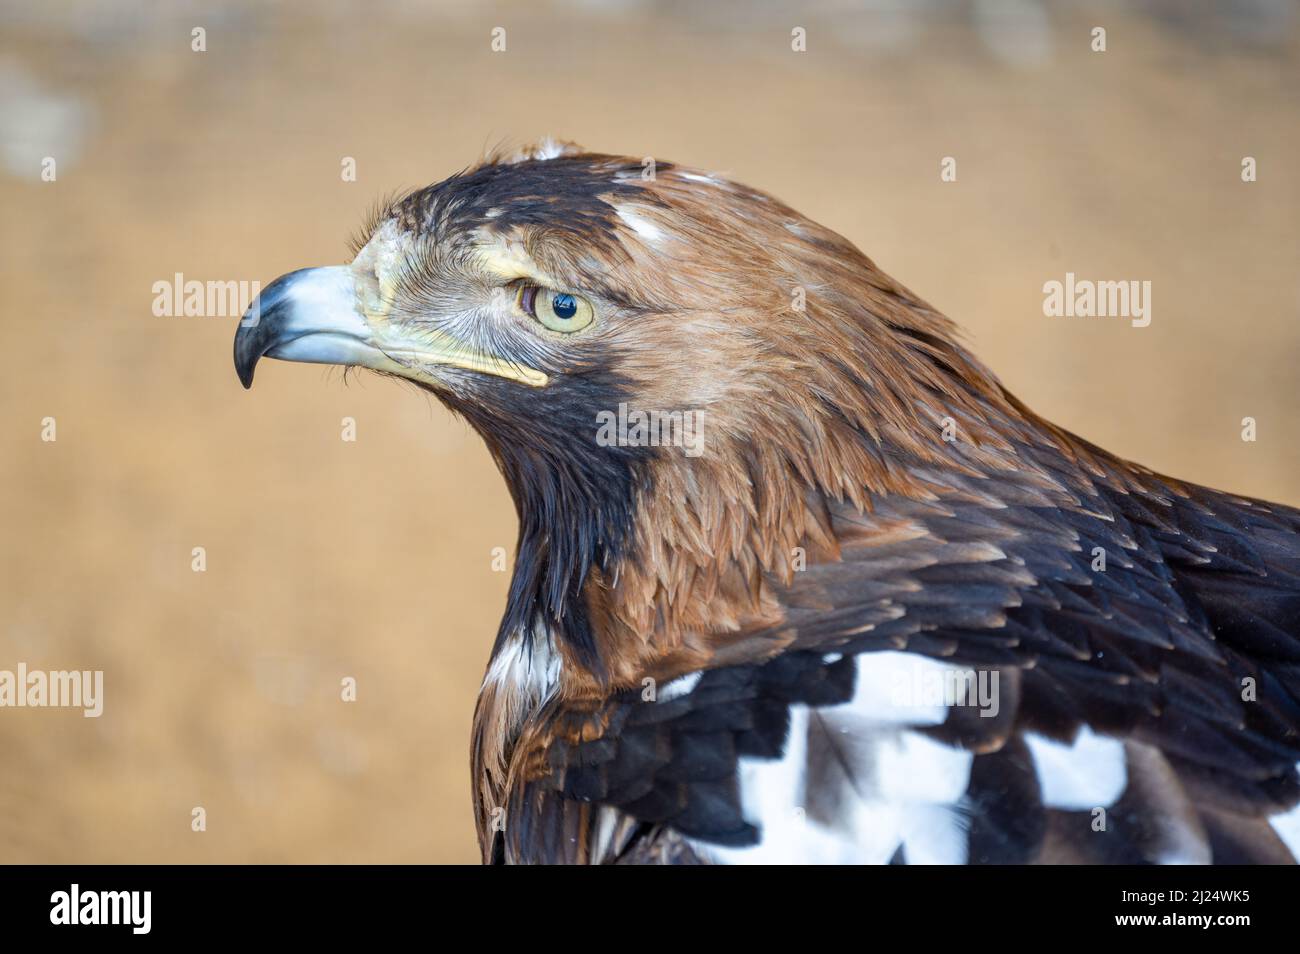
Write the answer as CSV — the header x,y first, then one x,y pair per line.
x,y
560,311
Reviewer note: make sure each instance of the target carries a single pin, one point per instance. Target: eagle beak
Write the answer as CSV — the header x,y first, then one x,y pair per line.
x,y
321,316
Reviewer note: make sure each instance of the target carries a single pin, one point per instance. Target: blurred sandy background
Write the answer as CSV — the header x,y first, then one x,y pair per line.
x,y
372,559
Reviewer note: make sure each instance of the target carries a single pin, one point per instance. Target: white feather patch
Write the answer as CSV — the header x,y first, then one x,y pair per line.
x,y
1287,826
772,796
911,767
529,672
640,224
679,687
919,787
1088,774
892,688
901,787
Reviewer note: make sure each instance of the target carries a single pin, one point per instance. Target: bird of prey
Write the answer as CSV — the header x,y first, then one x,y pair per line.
x,y
845,599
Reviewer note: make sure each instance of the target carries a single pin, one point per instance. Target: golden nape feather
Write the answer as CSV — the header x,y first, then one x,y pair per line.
x,y
796,578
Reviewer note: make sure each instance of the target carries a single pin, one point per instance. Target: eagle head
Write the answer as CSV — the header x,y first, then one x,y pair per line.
x,y
674,373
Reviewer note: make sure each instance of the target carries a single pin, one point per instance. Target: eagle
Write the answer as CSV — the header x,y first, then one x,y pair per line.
x,y
796,578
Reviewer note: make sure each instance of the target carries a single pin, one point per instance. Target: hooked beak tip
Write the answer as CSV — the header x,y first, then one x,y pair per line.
x,y
247,354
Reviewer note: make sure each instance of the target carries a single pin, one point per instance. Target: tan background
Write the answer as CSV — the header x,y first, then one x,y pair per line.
x,y
372,559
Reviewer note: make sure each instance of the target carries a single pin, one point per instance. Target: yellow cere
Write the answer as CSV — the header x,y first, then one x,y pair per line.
x,y
375,271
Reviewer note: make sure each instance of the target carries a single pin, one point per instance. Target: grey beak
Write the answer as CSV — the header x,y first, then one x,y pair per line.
x,y
309,315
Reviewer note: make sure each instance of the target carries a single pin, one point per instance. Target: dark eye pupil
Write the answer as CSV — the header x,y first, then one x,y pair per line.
x,y
564,306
